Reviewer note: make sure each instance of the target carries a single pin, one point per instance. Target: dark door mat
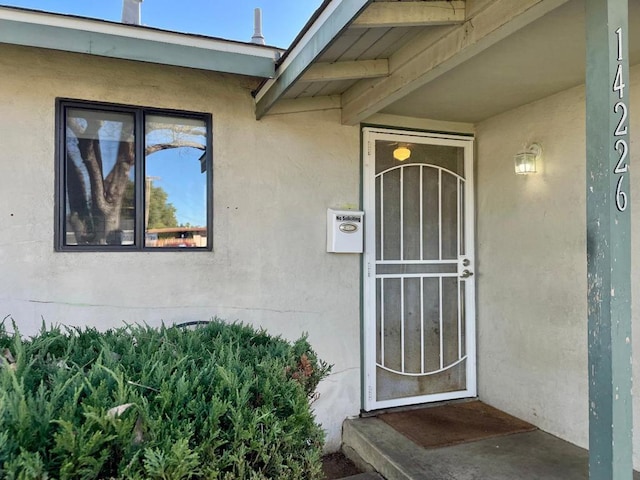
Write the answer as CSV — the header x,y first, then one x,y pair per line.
x,y
451,424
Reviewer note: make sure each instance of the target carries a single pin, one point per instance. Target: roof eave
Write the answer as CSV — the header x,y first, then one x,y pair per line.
x,y
134,42
335,16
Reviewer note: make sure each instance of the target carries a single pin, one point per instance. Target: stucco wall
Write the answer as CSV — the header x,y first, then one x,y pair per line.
x,y
531,250
273,181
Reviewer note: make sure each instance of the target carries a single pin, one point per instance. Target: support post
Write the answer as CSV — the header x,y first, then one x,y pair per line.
x,y
608,241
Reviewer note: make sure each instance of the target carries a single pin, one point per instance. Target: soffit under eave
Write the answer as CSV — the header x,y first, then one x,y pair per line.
x,y
354,30
334,17
501,21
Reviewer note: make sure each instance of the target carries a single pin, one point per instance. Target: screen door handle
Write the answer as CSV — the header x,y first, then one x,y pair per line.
x,y
466,274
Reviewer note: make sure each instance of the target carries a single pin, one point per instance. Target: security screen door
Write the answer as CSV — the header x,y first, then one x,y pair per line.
x,y
418,265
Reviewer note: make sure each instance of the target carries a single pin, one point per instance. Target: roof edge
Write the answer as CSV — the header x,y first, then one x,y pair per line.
x,y
134,42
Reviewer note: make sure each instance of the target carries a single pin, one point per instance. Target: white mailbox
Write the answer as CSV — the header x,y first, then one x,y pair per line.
x,y
344,231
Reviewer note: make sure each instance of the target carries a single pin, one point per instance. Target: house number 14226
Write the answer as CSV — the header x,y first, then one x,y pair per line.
x,y
620,145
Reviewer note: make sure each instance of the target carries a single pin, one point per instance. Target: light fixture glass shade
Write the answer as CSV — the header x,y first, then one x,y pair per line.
x,y
401,153
525,162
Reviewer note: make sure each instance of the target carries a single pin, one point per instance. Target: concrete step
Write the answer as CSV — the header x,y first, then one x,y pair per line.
x,y
374,446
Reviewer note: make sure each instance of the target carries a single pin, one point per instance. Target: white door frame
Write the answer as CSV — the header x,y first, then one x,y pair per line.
x,y
370,134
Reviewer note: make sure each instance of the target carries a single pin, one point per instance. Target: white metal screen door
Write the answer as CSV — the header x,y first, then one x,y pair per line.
x,y
419,285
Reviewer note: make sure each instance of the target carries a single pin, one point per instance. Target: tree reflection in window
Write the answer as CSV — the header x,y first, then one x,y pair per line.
x,y
107,204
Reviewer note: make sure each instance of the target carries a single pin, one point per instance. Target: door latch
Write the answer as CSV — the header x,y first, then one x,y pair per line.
x,y
466,273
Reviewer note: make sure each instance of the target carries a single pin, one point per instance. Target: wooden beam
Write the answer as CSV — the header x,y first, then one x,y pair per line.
x,y
355,70
335,18
434,58
410,14
609,240
305,104
413,123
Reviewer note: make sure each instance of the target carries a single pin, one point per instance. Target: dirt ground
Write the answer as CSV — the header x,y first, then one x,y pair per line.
x,y
336,465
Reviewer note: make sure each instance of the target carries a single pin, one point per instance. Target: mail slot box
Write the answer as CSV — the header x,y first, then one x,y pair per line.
x,y
344,231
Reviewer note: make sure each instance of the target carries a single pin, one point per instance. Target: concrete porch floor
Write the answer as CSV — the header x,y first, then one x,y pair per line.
x,y
374,445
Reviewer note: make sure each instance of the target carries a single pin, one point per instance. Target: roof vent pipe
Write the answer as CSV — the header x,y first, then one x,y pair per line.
x,y
131,12
257,27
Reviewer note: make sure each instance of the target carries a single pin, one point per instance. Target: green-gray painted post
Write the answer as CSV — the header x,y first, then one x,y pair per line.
x,y
608,241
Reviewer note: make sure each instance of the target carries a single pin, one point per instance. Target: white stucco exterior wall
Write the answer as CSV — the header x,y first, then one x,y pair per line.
x,y
273,181
531,250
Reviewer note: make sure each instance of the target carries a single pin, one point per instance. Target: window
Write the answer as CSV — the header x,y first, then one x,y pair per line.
x,y
132,178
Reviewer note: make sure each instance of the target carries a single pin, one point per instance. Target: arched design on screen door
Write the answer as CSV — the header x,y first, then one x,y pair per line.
x,y
419,286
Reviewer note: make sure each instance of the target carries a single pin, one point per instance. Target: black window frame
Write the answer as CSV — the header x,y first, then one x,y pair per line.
x,y
139,113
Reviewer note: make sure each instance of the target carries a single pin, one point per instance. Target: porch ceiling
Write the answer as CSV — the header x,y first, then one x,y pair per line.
x,y
456,61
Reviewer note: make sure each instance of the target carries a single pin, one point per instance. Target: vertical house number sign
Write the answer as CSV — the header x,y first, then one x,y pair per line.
x,y
620,144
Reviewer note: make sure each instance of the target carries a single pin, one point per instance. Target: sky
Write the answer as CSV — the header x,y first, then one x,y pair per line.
x,y
282,20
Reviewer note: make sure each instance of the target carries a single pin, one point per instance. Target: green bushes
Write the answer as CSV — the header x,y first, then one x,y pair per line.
x,y
214,402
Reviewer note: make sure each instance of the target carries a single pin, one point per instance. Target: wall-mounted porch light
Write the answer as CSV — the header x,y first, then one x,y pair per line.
x,y
525,161
401,153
